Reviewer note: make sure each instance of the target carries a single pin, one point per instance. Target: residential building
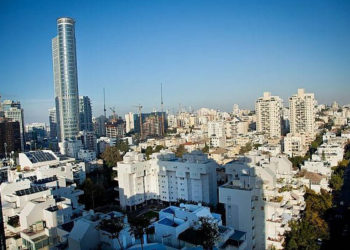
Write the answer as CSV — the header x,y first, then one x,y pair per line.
x,y
269,115
302,114
176,228
295,145
216,134
166,178
66,79
129,122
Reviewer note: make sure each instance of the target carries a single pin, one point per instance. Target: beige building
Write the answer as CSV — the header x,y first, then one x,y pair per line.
x,y
302,114
269,115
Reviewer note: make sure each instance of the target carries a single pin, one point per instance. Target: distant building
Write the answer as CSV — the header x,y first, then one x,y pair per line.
x,y
115,129
100,125
151,123
129,122
10,137
216,134
89,140
302,114
53,123
12,110
85,113
269,115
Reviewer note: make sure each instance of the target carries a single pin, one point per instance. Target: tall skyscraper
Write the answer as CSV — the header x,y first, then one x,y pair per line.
x,y
269,115
12,110
302,114
53,123
66,79
85,113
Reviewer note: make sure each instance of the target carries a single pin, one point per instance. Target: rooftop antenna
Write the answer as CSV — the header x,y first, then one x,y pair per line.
x,y
104,102
162,107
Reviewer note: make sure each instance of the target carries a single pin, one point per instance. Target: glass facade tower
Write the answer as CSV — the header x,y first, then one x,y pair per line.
x,y
66,79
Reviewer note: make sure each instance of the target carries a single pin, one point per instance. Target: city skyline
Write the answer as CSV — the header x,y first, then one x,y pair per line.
x,y
220,54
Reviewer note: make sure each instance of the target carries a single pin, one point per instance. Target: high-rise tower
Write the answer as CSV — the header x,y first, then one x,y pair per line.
x,y
269,115
66,79
302,114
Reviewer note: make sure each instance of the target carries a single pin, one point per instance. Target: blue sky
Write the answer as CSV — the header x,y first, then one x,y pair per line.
x,y
206,53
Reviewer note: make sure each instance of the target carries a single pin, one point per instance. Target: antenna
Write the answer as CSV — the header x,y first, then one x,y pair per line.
x,y
162,107
104,102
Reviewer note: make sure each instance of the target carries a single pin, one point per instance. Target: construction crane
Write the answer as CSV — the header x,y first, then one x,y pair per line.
x,y
140,117
104,103
114,114
162,107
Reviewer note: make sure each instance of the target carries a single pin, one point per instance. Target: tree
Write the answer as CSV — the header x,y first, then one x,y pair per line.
x,y
248,146
205,149
113,226
111,156
122,146
138,227
93,194
148,152
180,151
209,231
336,182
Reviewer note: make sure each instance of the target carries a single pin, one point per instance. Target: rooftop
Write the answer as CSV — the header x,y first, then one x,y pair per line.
x,y
39,156
31,190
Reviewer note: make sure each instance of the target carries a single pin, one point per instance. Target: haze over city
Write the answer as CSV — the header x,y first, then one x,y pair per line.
x,y
206,53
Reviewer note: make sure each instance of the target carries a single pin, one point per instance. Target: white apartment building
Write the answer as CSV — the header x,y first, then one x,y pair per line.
x,y
295,145
302,114
251,198
176,224
331,153
269,115
70,147
166,178
216,134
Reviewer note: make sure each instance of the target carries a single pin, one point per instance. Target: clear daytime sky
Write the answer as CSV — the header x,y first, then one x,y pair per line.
x,y
206,53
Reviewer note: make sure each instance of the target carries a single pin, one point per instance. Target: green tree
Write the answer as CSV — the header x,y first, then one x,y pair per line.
x,y
209,231
122,146
148,151
180,151
113,226
246,148
139,226
205,149
111,156
93,194
336,182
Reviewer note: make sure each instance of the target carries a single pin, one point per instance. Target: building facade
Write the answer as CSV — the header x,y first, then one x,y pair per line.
x,y
66,79
302,114
166,178
269,115
53,123
85,113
